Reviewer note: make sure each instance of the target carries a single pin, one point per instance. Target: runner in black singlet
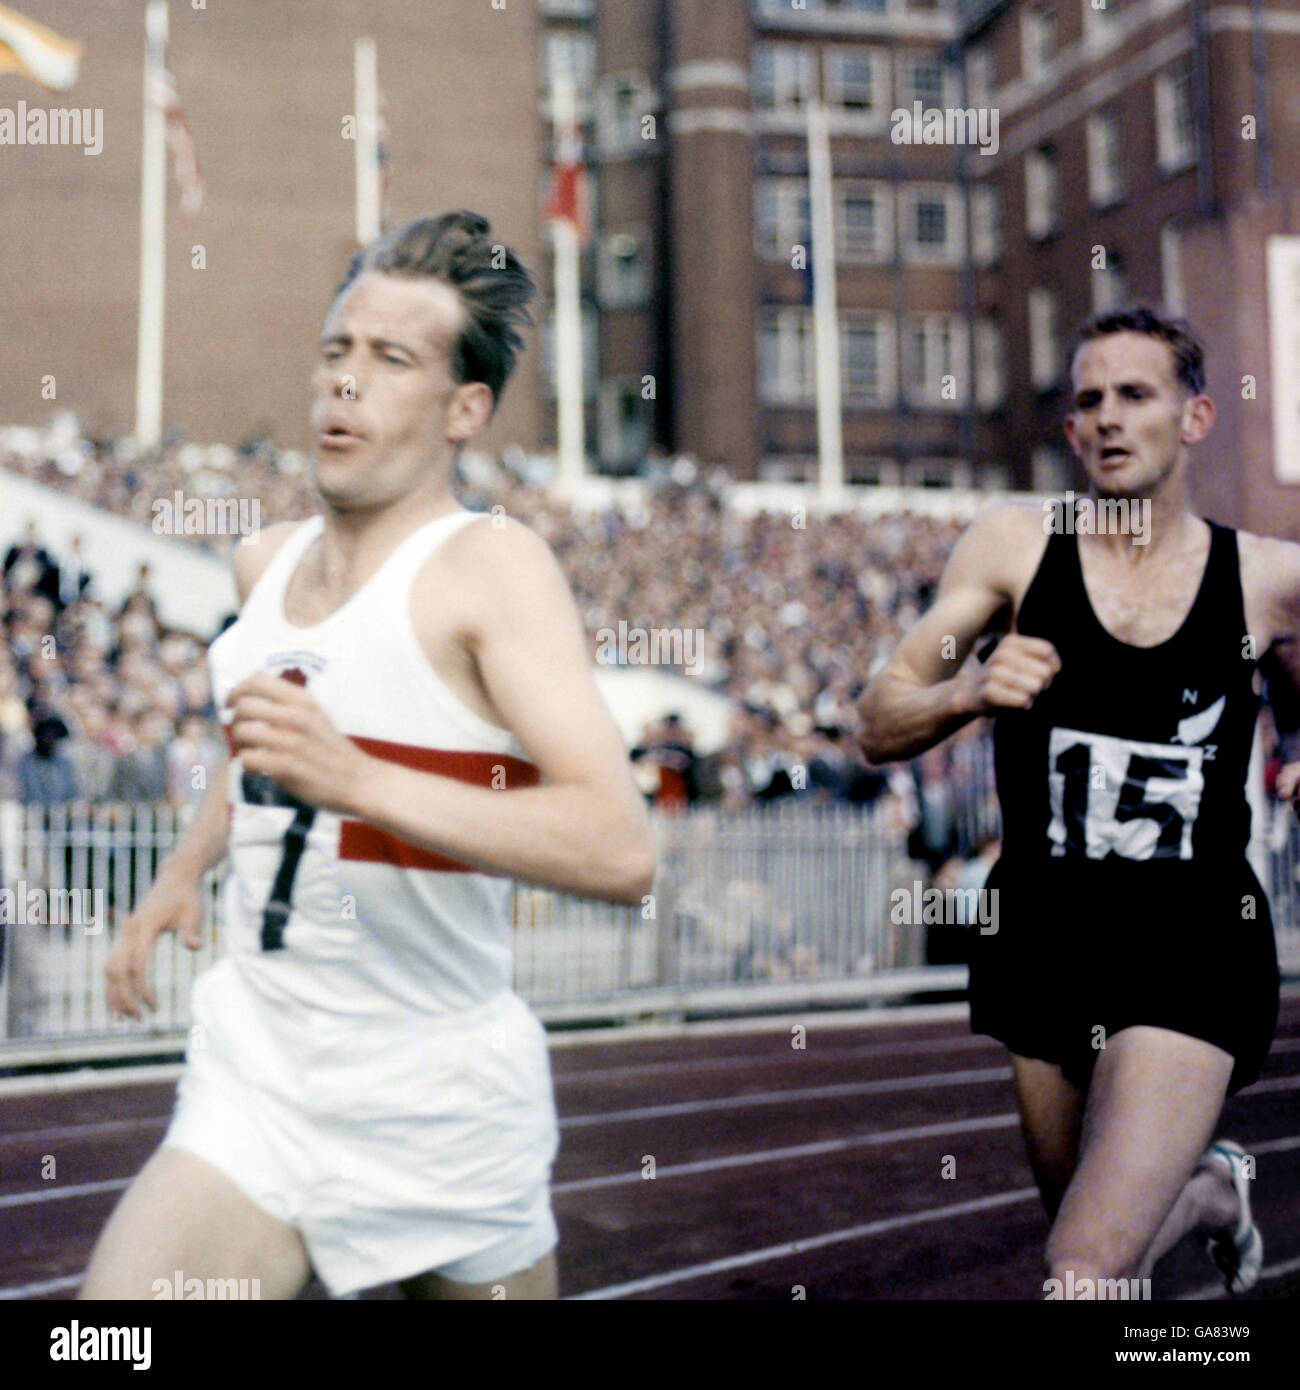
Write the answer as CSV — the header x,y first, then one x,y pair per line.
x,y
1125,824
1132,972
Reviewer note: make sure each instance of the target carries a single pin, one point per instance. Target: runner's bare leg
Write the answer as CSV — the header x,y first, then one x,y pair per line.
x,y
180,1213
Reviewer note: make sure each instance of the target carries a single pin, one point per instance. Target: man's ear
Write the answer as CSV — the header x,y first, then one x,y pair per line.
x,y
1072,435
1198,419
469,410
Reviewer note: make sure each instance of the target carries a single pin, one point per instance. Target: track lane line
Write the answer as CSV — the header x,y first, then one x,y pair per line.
x,y
824,1146
59,1194
1208,1293
883,1086
1269,1146
799,1247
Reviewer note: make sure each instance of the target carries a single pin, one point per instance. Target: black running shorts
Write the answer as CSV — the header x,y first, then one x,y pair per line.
x,y
1081,952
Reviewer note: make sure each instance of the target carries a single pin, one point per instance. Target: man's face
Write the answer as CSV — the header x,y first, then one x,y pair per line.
x,y
385,409
1132,419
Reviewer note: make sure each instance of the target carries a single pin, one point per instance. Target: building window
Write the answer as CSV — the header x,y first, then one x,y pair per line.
x,y
785,9
930,223
935,370
1105,159
1097,15
873,472
864,228
857,80
1171,270
1044,340
923,78
979,76
1049,469
785,356
1175,119
622,275
1109,283
624,422
937,473
986,224
784,76
990,363
866,359
994,477
624,101
1037,37
1282,255
1042,193
781,217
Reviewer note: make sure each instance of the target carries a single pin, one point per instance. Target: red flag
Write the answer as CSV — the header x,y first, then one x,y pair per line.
x,y
185,159
569,199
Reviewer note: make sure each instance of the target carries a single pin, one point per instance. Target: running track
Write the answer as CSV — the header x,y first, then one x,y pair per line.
x,y
774,1167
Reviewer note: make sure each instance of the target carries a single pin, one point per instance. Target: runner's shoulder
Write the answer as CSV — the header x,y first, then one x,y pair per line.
x,y
1270,571
1001,547
256,552
496,549
493,565
1268,554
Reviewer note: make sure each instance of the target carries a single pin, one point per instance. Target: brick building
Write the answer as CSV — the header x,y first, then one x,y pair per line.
x,y
1150,149
266,88
698,272
1140,148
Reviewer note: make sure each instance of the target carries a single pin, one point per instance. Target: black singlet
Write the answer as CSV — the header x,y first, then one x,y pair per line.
x,y
1124,894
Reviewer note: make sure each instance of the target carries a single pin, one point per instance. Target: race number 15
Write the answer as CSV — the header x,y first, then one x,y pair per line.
x,y
1112,797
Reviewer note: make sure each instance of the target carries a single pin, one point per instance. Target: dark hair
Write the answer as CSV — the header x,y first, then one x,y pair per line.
x,y
493,284
1177,334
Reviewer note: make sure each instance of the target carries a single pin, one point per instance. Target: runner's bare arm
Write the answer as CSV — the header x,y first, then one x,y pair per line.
x,y
174,900
1271,583
585,830
923,694
203,846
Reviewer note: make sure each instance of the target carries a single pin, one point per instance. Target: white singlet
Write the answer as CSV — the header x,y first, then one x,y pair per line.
x,y
359,1065
372,920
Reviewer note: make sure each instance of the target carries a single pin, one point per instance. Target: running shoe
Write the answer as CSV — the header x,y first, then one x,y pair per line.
x,y
1241,1256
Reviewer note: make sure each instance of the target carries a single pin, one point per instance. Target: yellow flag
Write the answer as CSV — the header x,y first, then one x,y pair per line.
x,y
37,52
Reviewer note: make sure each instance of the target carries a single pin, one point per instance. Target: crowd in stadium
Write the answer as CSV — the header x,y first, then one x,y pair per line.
x,y
791,615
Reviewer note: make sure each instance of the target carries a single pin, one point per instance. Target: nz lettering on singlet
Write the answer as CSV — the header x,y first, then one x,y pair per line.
x,y
1114,798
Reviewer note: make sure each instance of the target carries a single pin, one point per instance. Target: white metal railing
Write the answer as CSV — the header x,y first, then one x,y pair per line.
x,y
784,903
780,906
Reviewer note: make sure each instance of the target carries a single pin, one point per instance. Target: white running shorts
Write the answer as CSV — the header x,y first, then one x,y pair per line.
x,y
394,1145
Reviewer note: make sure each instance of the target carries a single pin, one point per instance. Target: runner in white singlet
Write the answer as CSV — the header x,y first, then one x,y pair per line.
x,y
413,724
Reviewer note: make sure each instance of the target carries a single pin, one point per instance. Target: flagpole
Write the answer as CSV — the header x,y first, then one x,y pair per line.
x,y
153,221
570,387
826,331
366,76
